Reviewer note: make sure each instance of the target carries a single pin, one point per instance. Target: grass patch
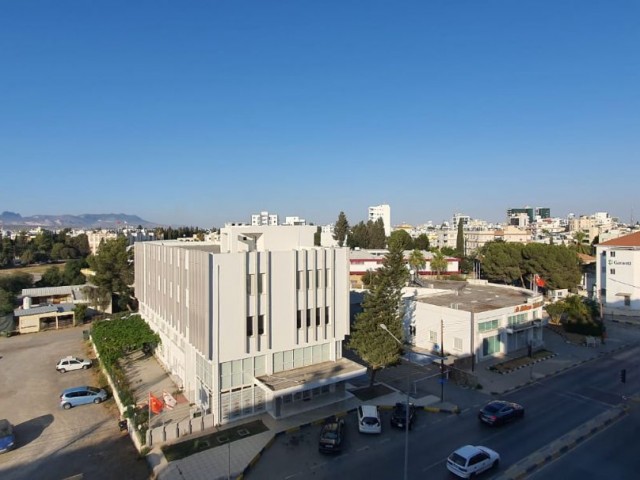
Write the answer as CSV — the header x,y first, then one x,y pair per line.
x,y
32,270
506,367
217,439
367,393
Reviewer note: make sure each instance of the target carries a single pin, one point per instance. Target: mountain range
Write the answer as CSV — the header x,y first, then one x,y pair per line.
x,y
10,220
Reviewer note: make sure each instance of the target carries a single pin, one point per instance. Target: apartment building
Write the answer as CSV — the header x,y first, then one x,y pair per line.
x,y
264,218
253,323
384,212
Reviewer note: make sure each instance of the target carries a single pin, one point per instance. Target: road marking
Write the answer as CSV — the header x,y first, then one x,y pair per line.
x,y
318,465
584,398
385,440
291,476
434,464
465,410
362,449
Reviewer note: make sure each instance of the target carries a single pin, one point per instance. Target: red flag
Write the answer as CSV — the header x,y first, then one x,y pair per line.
x,y
155,404
540,282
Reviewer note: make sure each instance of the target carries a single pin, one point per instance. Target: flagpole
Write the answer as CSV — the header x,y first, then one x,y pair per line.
x,y
149,404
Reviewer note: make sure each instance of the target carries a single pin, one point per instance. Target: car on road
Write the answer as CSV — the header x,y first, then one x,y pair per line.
x,y
69,363
331,436
75,396
399,415
369,419
470,460
7,436
499,412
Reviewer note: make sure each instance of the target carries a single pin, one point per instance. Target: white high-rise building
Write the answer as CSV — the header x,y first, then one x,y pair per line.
x,y
253,323
263,218
384,212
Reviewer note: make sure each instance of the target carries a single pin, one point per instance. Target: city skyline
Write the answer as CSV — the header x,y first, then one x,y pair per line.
x,y
204,113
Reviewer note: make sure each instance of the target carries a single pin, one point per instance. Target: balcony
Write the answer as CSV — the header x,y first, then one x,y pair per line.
x,y
518,327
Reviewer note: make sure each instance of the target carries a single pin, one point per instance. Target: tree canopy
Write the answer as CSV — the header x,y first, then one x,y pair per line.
x,y
421,242
113,267
402,238
382,305
369,235
438,262
341,229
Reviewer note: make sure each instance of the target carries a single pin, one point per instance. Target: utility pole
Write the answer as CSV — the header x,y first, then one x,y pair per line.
x,y
473,337
441,361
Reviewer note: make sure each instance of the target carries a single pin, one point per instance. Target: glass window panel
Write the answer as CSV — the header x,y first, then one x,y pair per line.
x,y
278,362
298,358
308,355
260,367
326,352
317,353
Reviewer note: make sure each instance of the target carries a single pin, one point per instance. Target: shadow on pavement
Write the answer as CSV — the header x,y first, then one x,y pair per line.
x,y
27,432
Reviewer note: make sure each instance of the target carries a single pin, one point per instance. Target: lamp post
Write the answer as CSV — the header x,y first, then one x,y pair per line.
x,y
406,418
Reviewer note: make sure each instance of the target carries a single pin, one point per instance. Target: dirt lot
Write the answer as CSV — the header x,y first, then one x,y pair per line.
x,y
53,443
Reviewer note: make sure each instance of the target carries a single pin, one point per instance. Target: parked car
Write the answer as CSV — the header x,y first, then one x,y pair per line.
x,y
331,436
72,397
7,436
369,419
468,461
399,415
69,363
499,412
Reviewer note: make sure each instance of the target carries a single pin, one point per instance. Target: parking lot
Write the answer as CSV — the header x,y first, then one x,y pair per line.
x,y
53,443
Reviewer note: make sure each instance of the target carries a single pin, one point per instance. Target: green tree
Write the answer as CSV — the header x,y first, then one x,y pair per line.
x,y
79,313
7,302
376,234
460,250
317,237
382,305
99,297
72,274
422,242
581,242
16,282
417,261
501,262
438,263
113,267
557,265
358,236
341,229
555,311
402,238
52,277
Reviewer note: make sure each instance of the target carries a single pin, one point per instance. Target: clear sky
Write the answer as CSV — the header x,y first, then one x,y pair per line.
x,y
202,112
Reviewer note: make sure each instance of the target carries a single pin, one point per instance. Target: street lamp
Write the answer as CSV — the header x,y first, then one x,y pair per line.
x,y
406,418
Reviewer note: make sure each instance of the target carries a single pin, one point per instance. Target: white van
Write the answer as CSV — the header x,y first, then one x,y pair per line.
x,y
369,419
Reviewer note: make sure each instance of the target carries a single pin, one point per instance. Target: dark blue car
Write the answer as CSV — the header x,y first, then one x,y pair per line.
x,y
7,437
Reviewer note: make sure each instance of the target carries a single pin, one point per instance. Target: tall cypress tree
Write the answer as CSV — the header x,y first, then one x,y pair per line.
x,y
382,305
341,229
460,239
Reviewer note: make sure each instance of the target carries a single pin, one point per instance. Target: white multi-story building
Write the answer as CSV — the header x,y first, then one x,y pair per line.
x,y
384,212
264,218
294,221
252,324
618,275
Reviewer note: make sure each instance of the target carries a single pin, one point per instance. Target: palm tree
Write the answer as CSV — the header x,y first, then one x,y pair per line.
x,y
581,240
438,262
416,261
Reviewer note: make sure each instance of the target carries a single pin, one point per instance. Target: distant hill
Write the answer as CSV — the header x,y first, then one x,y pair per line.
x,y
9,220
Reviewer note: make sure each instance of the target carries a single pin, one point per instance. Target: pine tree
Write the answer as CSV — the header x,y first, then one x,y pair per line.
x,y
341,229
382,305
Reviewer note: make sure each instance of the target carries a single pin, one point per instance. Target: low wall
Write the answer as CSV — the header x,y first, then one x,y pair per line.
x,y
173,431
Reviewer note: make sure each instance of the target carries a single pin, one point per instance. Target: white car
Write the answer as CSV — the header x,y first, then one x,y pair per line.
x,y
369,419
69,363
468,461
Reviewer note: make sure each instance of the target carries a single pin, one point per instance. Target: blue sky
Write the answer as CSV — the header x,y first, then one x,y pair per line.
x,y
202,112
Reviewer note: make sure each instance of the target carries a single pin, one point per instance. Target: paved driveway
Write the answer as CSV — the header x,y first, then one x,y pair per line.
x,y
53,443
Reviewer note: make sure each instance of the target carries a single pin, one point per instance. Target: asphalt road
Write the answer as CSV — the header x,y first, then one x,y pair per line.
x,y
53,443
554,407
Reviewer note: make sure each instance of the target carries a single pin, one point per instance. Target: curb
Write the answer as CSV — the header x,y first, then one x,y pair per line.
x,y
564,444
454,410
506,372
562,370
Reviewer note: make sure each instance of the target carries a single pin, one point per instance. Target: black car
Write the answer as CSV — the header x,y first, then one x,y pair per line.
x,y
399,415
499,412
331,436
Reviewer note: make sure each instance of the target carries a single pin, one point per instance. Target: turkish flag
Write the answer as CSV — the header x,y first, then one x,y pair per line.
x,y
155,404
540,282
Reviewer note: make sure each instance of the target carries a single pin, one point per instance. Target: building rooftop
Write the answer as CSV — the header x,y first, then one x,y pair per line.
x,y
470,297
298,377
59,308
631,240
75,290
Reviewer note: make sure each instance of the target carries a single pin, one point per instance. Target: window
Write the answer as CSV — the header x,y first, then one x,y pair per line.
x,y
612,271
299,280
317,316
249,326
262,281
612,254
299,319
260,324
457,343
487,326
308,317
627,301
603,292
516,319
433,336
490,345
326,315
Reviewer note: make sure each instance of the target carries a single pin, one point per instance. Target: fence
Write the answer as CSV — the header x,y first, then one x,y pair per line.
x,y
169,432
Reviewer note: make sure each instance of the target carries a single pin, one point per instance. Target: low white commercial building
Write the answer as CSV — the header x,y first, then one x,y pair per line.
x,y
475,316
618,276
252,324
